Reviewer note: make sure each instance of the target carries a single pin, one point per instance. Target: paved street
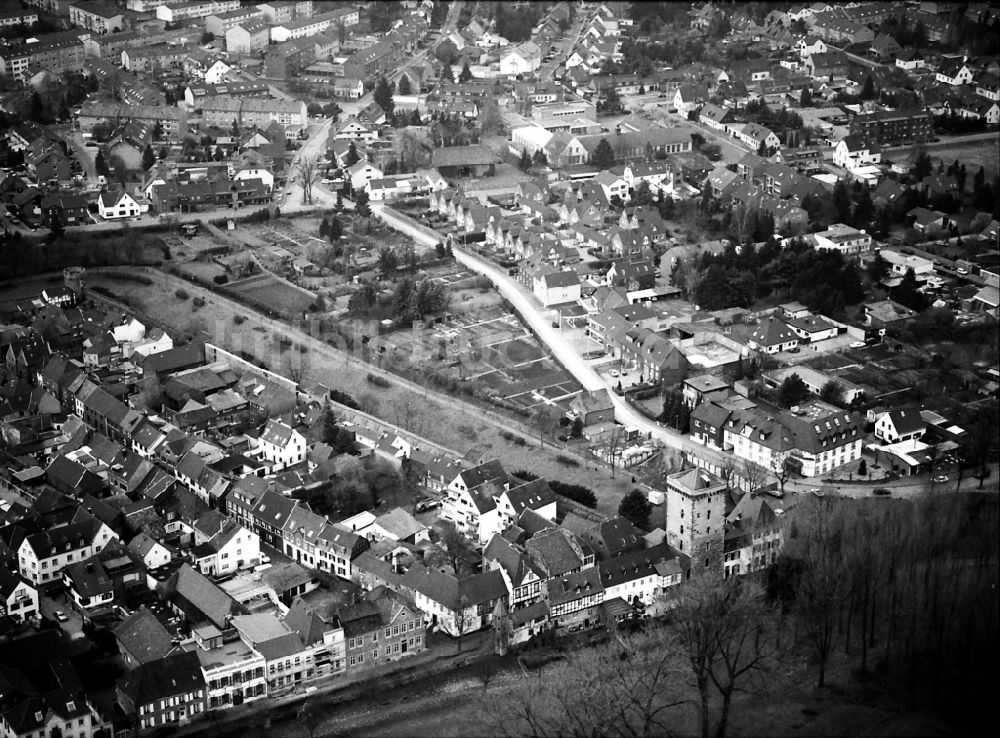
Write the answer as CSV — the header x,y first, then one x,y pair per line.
x,y
569,357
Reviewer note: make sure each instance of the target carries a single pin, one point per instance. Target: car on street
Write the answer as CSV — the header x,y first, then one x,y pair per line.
x,y
815,491
613,372
61,616
881,492
940,479
857,344
962,270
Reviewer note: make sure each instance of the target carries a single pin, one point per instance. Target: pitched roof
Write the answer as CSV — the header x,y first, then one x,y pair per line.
x,y
555,550
772,332
906,421
170,676
143,636
206,597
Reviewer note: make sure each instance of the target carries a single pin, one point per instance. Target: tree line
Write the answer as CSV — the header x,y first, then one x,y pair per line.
x,y
824,281
902,592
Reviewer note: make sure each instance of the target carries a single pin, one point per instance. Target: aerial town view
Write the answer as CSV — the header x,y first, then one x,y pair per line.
x,y
499,368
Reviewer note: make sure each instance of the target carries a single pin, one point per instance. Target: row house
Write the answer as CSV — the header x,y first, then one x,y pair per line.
x,y
385,626
452,605
167,692
226,549
175,12
640,578
234,673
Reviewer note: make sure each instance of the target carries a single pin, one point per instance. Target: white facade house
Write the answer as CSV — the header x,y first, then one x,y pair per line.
x,y
42,556
155,341
216,72
263,175
525,58
353,129
815,445
281,445
853,151
18,598
230,549
117,205
152,552
900,425
553,287
843,238
362,172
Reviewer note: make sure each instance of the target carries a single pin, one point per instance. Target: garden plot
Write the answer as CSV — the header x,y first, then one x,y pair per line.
x,y
266,290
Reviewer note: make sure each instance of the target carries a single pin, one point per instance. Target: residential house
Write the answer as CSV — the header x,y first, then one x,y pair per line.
x,y
18,598
455,606
168,691
42,556
142,639
900,424
843,238
116,205
554,287
772,336
853,151
281,445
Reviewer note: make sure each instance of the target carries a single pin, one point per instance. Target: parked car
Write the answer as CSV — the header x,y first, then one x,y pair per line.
x,y
425,505
940,479
613,372
857,344
61,616
962,270
881,492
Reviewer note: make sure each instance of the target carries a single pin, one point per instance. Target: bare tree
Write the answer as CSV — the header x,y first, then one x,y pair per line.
x,y
463,620
727,471
722,630
632,687
783,470
295,365
822,586
307,170
754,476
547,421
455,547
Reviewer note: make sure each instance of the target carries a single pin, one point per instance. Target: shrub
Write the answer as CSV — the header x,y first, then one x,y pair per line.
x,y
220,279
181,294
378,381
198,302
239,319
303,349
576,492
567,460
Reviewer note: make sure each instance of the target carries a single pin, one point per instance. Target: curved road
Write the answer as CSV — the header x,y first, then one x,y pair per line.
x,y
523,302
565,354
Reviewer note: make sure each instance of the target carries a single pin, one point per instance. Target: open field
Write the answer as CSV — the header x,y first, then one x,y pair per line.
x,y
974,154
269,291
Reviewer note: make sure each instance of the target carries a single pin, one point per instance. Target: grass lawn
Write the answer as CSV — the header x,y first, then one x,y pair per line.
x,y
270,291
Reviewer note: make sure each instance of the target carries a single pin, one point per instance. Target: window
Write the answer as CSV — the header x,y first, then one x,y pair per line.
x,y
375,654
387,632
